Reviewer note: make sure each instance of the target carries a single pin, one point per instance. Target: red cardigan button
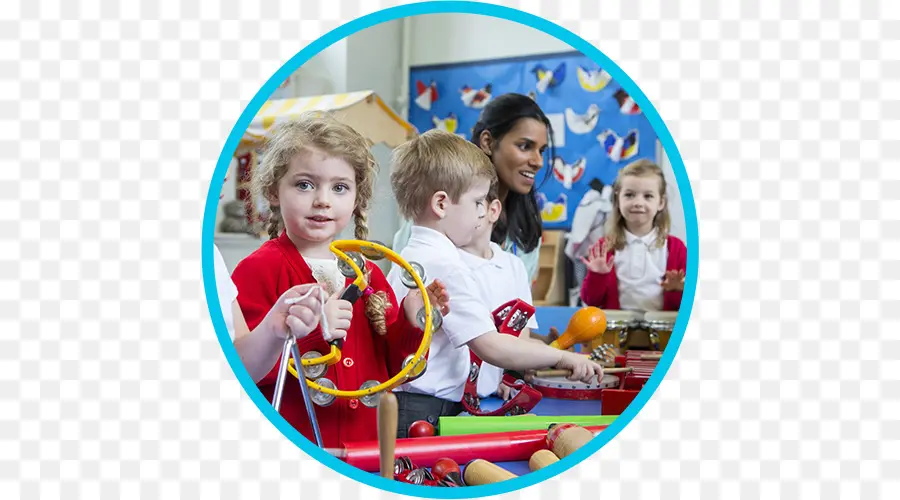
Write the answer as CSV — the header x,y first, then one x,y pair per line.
x,y
348,362
354,403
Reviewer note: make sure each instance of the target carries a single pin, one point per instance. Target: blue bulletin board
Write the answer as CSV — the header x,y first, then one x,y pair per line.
x,y
598,129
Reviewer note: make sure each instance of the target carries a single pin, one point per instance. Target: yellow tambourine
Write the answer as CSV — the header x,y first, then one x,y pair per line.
x,y
412,279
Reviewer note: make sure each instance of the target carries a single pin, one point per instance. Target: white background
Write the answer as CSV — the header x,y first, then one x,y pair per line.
x,y
113,382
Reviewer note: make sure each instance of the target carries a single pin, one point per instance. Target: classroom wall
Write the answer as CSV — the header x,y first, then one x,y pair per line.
x,y
446,38
375,59
374,63
676,211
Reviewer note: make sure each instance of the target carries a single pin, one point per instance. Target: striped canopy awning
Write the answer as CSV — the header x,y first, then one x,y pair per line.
x,y
364,111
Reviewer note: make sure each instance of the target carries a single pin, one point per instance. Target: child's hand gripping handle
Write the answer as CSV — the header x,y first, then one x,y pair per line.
x,y
351,294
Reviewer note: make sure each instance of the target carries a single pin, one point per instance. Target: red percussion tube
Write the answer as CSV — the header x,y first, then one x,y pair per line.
x,y
494,447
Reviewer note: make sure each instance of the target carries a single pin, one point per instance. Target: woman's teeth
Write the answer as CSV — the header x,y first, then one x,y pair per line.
x,y
528,175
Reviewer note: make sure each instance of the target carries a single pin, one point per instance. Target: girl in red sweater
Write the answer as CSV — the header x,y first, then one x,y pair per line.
x,y
637,265
316,174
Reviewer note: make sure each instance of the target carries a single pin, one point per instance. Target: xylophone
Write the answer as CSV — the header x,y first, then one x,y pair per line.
x,y
642,364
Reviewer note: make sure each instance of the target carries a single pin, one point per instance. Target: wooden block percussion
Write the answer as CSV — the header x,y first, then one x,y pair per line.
x,y
566,439
541,459
615,401
480,471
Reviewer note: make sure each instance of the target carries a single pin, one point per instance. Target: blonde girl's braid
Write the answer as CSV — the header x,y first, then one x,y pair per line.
x,y
275,223
376,303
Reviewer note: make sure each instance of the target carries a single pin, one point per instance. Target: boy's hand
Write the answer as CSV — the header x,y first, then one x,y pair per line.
x,y
504,391
599,259
673,281
338,313
582,367
437,295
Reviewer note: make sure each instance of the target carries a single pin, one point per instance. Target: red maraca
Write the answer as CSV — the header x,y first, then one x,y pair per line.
x,y
420,428
448,469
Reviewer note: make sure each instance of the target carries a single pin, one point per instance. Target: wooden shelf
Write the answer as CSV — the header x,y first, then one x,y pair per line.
x,y
548,288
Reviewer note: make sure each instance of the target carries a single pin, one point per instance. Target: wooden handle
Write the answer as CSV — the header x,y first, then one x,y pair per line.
x,y
387,432
541,459
566,373
651,357
483,472
567,439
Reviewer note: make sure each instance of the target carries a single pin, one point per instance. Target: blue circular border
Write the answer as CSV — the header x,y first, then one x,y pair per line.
x,y
436,7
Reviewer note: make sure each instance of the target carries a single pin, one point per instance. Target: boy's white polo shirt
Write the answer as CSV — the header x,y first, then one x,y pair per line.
x,y
500,279
469,317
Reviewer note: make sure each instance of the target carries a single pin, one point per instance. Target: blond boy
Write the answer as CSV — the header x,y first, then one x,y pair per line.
x,y
441,183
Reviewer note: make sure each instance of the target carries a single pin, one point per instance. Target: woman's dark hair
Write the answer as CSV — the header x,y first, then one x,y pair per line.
x,y
522,221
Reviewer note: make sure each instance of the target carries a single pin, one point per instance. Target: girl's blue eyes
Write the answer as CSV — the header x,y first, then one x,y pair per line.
x,y
338,188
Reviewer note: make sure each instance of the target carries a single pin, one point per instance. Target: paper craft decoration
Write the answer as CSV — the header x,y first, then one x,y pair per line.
x,y
426,94
556,211
619,148
568,174
475,98
558,124
582,124
547,78
448,124
593,80
626,104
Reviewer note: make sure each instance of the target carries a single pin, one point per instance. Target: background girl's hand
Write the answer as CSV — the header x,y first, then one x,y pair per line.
x,y
437,295
673,281
338,312
599,259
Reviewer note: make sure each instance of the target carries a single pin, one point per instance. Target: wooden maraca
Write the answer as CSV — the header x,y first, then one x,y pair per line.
x,y
541,459
586,324
480,472
565,439
387,432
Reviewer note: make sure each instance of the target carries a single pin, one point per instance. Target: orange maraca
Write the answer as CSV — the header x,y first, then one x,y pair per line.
x,y
586,324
